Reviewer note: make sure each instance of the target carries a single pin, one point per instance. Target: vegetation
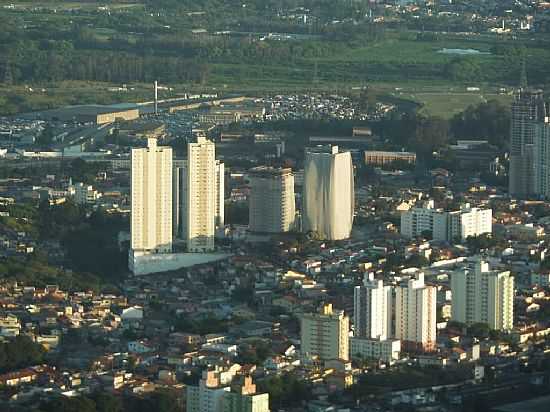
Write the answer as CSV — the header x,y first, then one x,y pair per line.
x,y
161,401
20,352
406,377
88,49
285,391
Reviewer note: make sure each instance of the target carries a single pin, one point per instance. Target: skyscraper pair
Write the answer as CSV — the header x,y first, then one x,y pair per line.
x,y
165,200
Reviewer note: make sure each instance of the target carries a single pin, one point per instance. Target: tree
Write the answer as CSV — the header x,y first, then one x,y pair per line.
x,y
489,120
106,402
45,138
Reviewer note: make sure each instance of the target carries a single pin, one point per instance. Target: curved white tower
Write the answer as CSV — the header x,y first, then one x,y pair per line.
x,y
328,194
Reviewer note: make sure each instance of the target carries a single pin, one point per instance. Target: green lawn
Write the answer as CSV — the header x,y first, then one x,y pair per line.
x,y
447,104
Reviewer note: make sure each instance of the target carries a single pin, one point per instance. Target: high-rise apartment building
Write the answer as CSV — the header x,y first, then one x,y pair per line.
x,y
372,322
219,217
180,197
415,315
272,205
527,111
542,158
244,398
209,394
225,390
200,207
325,334
446,225
481,295
372,318
328,193
151,194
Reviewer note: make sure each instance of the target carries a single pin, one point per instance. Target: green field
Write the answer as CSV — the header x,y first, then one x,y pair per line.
x,y
447,104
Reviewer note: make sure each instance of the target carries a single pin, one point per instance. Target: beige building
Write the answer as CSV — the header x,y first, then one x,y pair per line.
x,y
481,295
151,193
244,398
200,207
272,206
415,315
325,334
226,390
380,158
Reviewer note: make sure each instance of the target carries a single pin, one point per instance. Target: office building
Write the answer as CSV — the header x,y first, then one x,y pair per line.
x,y
200,207
325,334
481,295
328,193
381,158
243,397
271,201
372,317
542,158
527,110
151,194
448,226
415,315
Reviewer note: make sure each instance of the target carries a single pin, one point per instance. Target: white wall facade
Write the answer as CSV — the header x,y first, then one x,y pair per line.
x,y
480,295
151,193
328,193
415,315
201,195
373,310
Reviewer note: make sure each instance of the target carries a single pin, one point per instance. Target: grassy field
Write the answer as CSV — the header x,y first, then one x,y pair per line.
x,y
436,99
69,5
447,104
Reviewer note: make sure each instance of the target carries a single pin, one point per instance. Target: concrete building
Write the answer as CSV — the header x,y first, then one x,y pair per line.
x,y
446,225
224,390
373,322
243,397
527,110
387,350
542,158
151,193
272,204
90,113
373,309
208,395
325,334
181,193
200,207
381,158
415,315
480,295
219,216
328,193
85,194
